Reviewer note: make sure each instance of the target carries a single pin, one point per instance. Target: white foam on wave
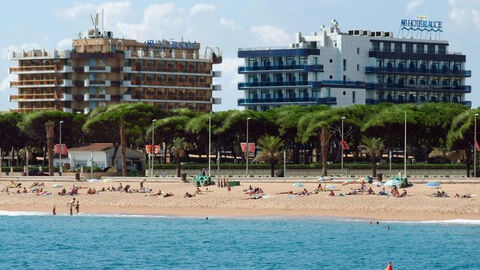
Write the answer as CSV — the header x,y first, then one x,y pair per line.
x,y
22,213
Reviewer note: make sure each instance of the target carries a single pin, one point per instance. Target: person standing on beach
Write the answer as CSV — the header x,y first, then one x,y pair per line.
x,y
77,207
71,210
54,211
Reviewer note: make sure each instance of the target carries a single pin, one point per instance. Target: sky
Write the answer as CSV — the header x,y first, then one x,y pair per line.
x,y
228,25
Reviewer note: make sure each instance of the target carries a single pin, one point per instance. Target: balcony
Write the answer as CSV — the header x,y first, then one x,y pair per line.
x,y
429,72
216,74
33,97
216,100
308,100
397,101
96,83
216,87
291,67
30,109
40,69
96,97
95,69
272,84
342,84
419,87
38,54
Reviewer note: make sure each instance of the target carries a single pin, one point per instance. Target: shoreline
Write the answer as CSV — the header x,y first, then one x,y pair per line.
x,y
240,213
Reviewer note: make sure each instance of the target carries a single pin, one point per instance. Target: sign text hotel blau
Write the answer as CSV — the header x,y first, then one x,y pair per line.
x,y
421,25
165,44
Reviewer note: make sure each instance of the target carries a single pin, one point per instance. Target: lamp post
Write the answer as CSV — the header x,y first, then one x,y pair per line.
x,y
61,148
343,118
209,141
246,151
152,157
405,148
475,147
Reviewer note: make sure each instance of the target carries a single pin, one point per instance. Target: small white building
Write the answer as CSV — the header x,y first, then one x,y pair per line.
x,y
101,155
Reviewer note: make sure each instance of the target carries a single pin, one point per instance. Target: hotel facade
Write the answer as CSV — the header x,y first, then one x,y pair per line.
x,y
101,70
355,67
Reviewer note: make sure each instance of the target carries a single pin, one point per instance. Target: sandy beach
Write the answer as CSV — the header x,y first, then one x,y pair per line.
x,y
417,205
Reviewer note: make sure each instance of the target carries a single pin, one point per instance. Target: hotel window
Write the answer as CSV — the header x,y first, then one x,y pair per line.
x,y
376,45
358,67
409,47
398,47
353,97
291,93
303,60
420,48
431,48
442,49
344,64
387,47
358,51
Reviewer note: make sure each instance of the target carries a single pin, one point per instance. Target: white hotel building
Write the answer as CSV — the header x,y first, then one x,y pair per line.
x,y
357,67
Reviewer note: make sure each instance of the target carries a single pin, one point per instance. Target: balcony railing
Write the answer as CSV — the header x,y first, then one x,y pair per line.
x,y
419,87
311,100
402,101
307,68
408,70
266,84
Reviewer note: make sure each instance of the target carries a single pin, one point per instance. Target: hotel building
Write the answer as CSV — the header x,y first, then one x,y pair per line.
x,y
101,70
355,67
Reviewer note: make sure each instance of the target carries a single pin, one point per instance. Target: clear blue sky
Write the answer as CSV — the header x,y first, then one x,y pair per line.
x,y
229,25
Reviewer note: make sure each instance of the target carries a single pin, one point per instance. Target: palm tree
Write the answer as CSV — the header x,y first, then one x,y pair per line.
x,y
49,128
270,151
373,147
179,149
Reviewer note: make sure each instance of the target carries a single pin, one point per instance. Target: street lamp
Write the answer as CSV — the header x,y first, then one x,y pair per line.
x,y
405,148
61,148
152,157
209,141
475,148
246,151
343,118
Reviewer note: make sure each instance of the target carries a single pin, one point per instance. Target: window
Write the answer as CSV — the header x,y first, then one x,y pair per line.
x,y
387,47
420,48
358,50
344,64
353,97
398,47
431,48
358,67
409,48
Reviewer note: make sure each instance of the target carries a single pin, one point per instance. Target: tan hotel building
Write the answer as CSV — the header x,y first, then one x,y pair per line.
x,y
101,70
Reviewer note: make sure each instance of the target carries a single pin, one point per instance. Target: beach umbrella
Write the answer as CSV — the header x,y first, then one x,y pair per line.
x,y
377,183
393,183
297,184
331,187
93,181
433,184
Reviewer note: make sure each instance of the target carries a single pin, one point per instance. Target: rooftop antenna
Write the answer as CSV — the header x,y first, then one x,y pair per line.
x,y
95,24
103,30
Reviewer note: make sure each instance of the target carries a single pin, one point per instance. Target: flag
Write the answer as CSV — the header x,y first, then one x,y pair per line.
x,y
148,148
344,145
251,147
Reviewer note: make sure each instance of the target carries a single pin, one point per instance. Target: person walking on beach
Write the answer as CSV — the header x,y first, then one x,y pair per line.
x,y
77,207
54,211
71,209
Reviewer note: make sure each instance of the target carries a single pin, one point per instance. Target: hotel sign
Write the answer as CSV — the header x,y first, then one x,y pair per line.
x,y
165,44
421,24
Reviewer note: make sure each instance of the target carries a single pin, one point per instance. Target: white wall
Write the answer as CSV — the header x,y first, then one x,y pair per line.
x,y
99,158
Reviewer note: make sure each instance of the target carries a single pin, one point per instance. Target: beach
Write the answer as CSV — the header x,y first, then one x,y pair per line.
x,y
417,205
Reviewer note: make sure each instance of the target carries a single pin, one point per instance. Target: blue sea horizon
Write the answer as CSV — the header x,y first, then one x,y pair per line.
x,y
39,241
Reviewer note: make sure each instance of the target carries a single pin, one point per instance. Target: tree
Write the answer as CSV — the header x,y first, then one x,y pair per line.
x,y
13,138
179,150
49,130
460,136
120,124
270,151
374,148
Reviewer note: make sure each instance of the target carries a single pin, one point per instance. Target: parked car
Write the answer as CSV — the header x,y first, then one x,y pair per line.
x,y
35,173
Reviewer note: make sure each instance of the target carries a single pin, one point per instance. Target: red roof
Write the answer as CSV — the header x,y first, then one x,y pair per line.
x,y
92,147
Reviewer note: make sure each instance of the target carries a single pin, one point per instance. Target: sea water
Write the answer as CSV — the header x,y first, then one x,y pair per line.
x,y
29,241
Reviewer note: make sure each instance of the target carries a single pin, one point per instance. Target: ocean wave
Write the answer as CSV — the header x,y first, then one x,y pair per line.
x,y
22,213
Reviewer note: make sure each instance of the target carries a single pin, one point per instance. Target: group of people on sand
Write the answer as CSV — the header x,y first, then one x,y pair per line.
x,y
396,193
253,193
